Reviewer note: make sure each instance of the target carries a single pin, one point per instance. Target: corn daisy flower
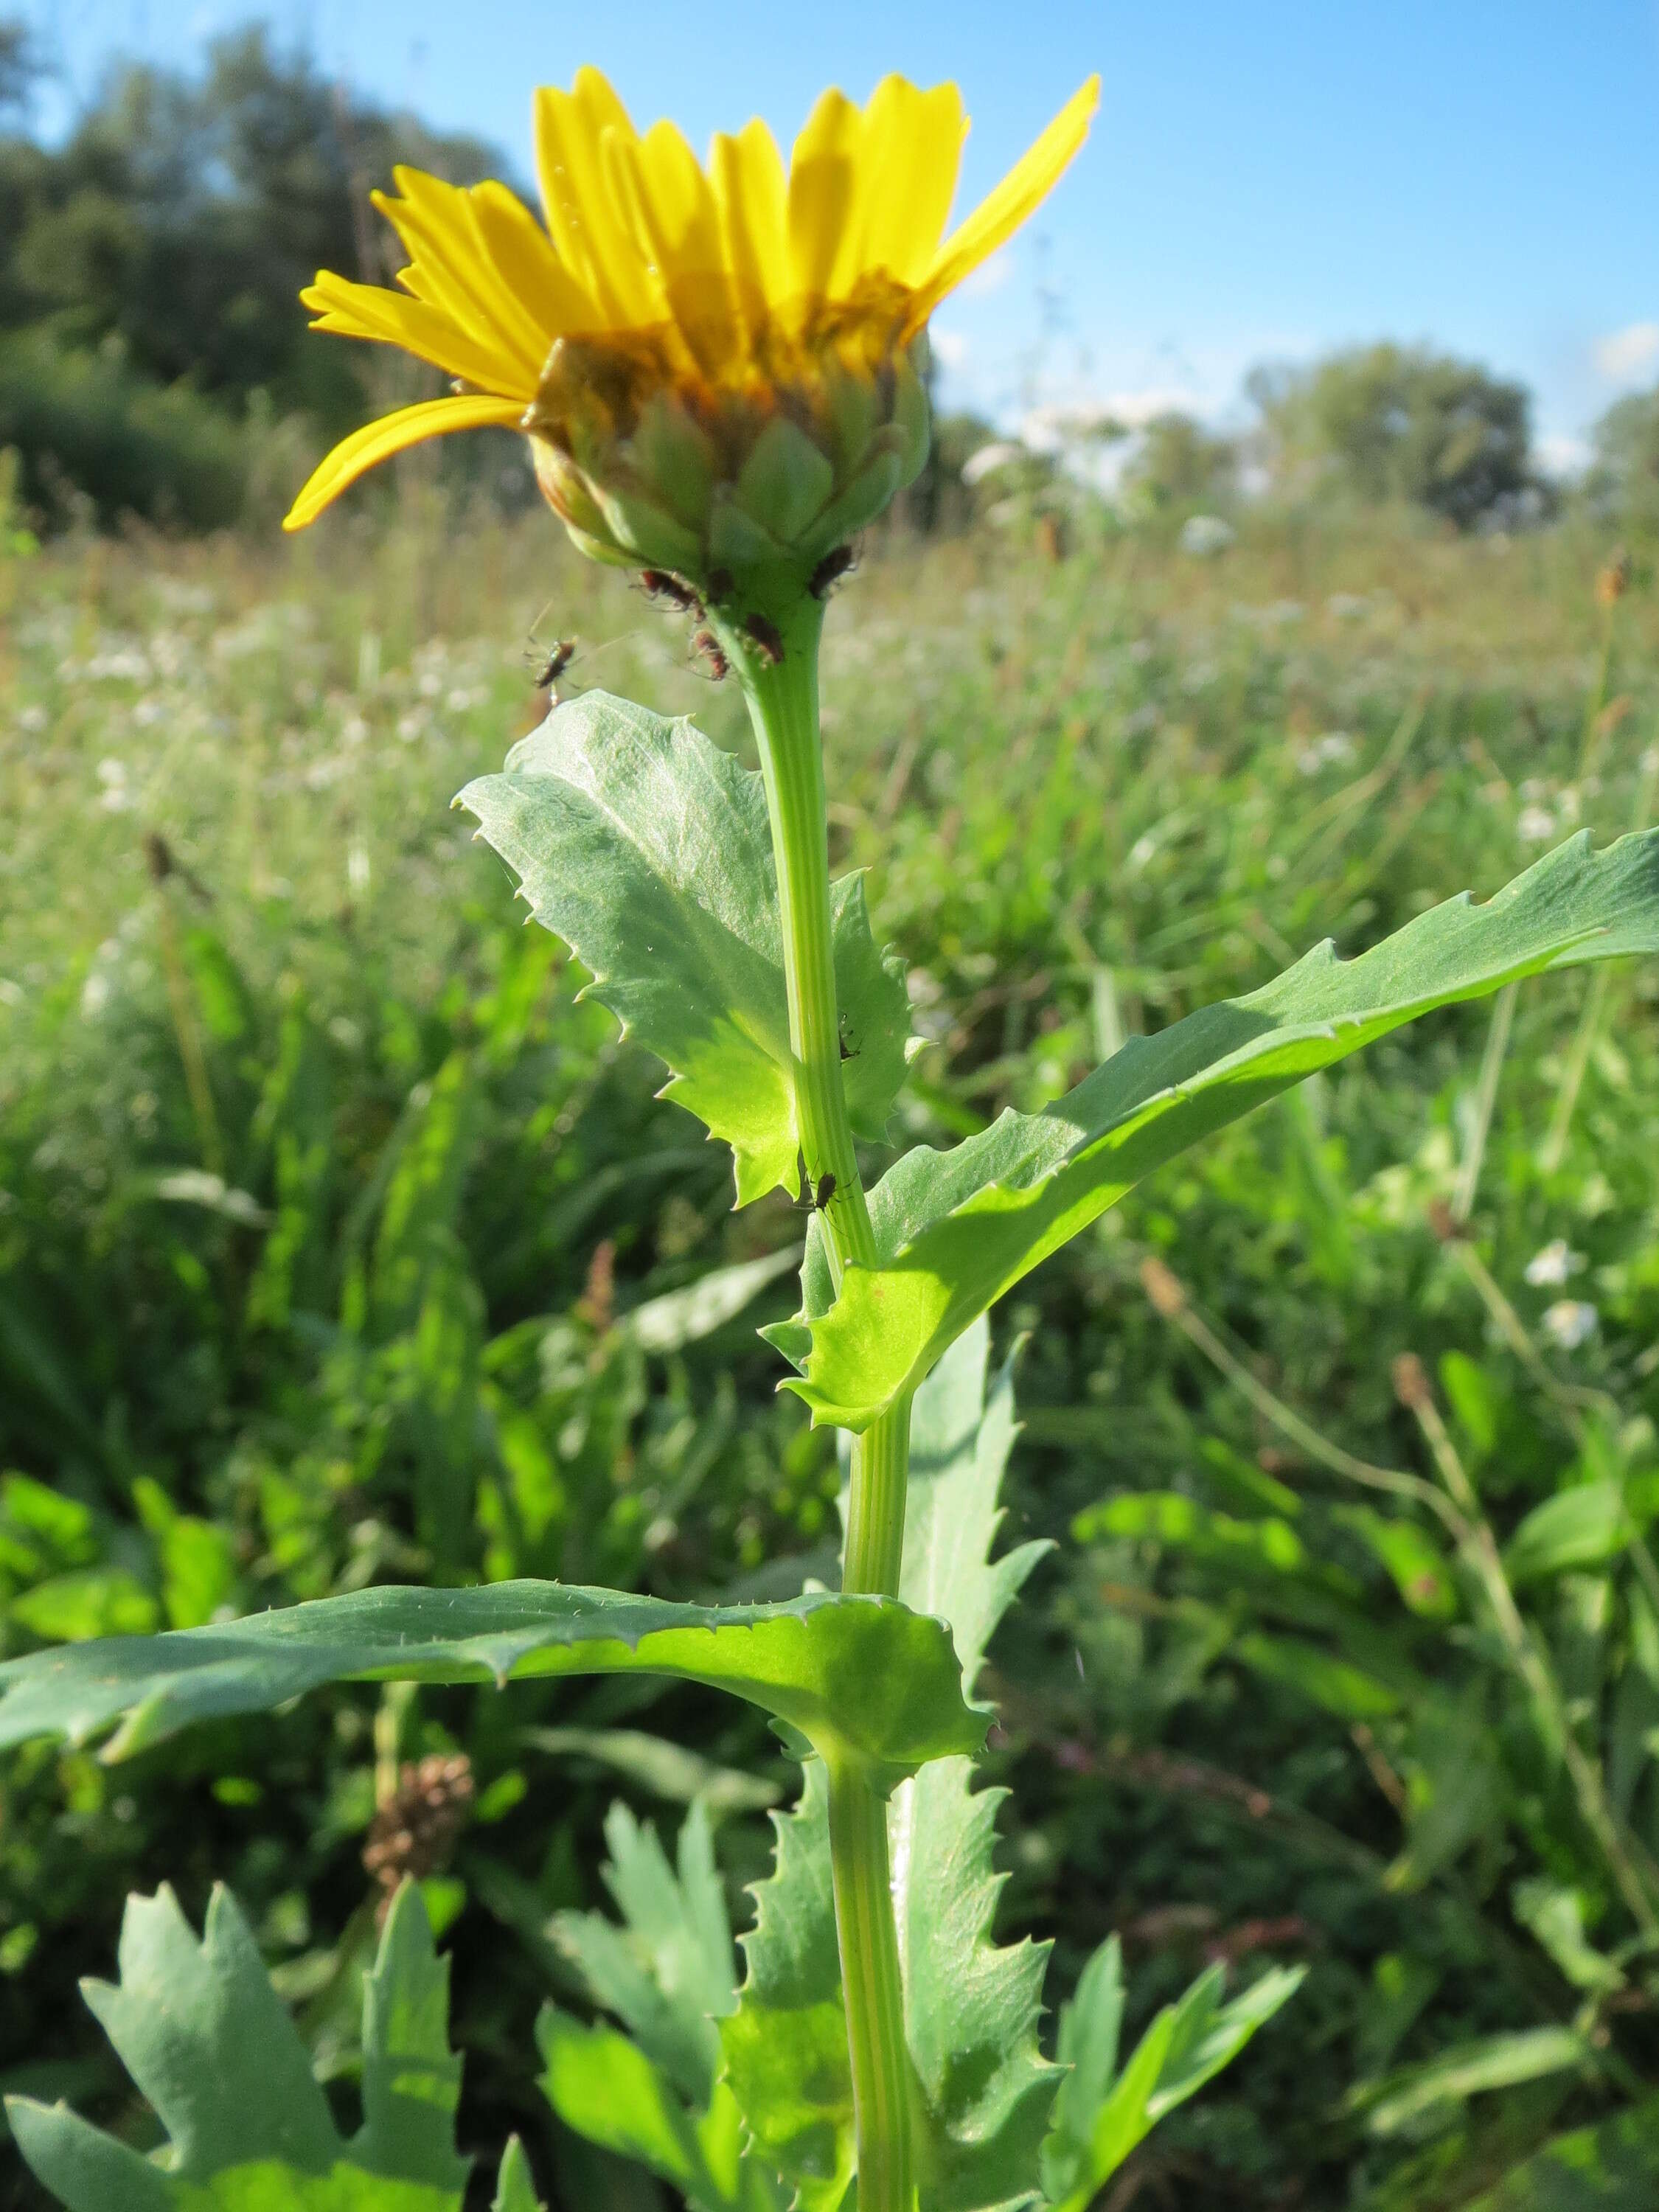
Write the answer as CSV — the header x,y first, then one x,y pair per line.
x,y
718,369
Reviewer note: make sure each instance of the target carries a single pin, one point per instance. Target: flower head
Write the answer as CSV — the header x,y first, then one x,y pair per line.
x,y
717,368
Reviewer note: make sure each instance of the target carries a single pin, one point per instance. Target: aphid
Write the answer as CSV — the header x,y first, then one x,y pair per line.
x,y
818,1195
552,666
664,584
830,571
764,634
714,660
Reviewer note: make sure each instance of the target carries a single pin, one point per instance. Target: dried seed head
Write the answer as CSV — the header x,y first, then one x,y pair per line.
x,y
1411,1382
1613,580
414,1832
1163,1288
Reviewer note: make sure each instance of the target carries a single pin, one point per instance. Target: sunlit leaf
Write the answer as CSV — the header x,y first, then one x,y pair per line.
x,y
1101,2115
204,2036
646,849
866,1676
1578,1528
956,1230
1494,2062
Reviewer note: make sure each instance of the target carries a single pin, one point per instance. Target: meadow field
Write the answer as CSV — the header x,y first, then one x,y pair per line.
x,y
340,1242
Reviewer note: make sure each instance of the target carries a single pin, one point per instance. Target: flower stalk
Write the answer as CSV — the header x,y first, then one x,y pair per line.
x,y
781,688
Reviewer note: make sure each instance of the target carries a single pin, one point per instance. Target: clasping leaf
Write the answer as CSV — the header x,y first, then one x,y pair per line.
x,y
647,850
863,1677
957,1230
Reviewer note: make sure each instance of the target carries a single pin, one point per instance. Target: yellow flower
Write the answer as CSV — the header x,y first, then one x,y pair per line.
x,y
717,369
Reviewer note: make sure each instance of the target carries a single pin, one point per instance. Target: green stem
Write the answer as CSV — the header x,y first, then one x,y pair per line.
x,y
873,1991
782,693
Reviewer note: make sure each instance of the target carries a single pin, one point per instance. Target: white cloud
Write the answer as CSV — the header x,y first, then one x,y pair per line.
x,y
952,346
1629,352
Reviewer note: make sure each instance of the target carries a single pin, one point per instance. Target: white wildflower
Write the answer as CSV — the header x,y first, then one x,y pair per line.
x,y
1556,1264
1206,535
1570,1322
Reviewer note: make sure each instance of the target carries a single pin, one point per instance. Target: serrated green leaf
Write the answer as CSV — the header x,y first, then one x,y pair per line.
x,y
1086,2048
667,1972
956,1230
971,2009
647,850
607,2089
204,2035
1613,2166
863,1676
1098,2120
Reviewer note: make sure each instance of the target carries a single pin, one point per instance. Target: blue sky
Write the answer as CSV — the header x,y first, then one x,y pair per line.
x,y
1264,181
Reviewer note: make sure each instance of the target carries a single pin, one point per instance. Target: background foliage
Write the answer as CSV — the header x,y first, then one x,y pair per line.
x,y
339,1244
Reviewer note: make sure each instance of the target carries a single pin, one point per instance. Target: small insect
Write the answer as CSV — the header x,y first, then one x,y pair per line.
x,y
551,666
819,1194
848,1052
830,571
662,584
714,660
763,636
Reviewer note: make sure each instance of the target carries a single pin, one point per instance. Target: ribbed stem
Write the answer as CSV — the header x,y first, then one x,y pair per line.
x,y
783,704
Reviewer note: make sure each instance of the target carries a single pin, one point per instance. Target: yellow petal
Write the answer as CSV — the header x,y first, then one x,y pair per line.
x,y
439,224
824,183
909,177
518,247
752,195
440,275
588,231
1000,214
368,311
686,225
432,418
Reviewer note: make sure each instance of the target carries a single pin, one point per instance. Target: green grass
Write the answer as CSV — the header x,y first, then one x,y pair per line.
x,y
320,1199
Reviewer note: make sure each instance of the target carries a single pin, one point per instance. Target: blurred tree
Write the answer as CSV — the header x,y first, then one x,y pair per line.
x,y
1179,463
157,254
939,500
1387,421
1623,477
20,66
